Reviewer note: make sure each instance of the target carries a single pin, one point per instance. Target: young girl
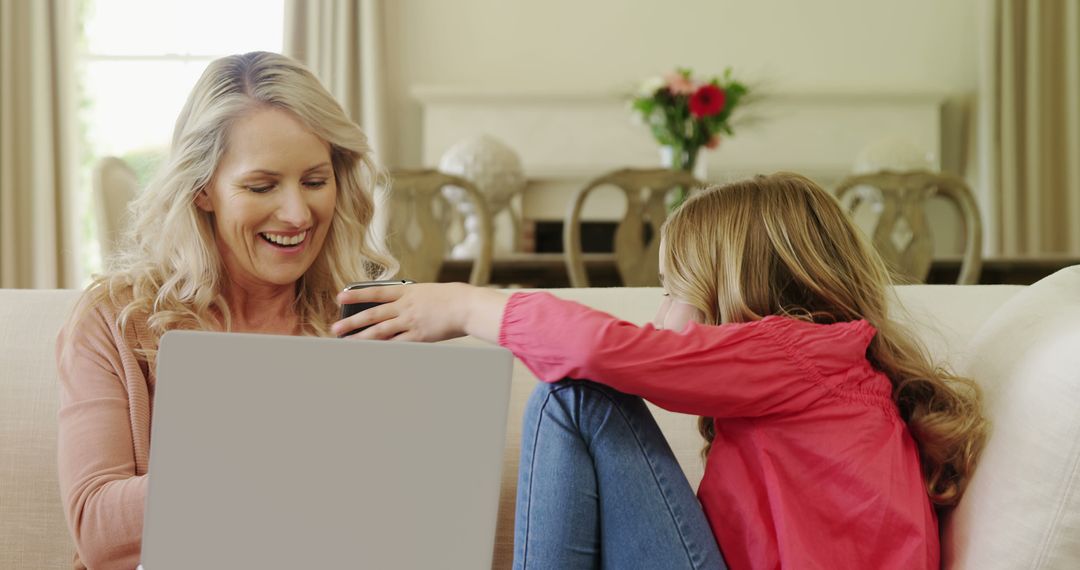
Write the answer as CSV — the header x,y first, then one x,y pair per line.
x,y
830,438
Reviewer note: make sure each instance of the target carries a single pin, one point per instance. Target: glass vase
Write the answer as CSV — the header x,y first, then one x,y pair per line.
x,y
678,158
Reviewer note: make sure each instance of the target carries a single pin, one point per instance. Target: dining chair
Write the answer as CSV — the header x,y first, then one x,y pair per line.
x,y
416,218
114,186
637,235
901,232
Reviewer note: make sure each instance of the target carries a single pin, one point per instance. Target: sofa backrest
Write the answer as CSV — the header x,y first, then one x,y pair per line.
x,y
34,534
1022,508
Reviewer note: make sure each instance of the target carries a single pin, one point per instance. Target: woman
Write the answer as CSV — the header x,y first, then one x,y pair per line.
x,y
258,218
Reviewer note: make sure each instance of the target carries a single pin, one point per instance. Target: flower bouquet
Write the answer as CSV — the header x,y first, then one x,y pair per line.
x,y
686,115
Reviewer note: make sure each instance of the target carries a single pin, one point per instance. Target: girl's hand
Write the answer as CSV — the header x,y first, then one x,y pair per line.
x,y
425,312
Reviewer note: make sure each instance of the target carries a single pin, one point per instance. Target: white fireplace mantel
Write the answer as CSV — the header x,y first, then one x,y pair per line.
x,y
565,139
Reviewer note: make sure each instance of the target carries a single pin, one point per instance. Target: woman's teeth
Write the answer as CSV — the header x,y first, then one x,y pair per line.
x,y
286,241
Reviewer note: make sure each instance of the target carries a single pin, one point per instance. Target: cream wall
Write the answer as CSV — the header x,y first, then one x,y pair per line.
x,y
609,45
891,47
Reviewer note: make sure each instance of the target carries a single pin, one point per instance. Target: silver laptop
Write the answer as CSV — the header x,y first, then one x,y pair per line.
x,y
294,452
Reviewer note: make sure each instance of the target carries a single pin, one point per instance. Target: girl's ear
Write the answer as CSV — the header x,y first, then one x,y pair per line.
x,y
203,202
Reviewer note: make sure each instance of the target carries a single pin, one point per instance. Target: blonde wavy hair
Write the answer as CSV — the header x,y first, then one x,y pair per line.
x,y
169,270
781,245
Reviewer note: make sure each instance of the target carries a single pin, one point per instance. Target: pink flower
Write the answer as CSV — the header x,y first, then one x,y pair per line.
x,y
680,84
713,142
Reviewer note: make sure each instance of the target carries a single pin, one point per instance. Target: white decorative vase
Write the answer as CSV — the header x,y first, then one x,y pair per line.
x,y
496,171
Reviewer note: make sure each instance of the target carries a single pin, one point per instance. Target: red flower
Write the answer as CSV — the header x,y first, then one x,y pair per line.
x,y
707,101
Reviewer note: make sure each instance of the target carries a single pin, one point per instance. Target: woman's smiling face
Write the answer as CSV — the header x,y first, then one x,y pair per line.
x,y
272,198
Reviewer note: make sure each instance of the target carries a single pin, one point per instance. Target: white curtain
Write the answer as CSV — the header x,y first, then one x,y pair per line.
x,y
342,42
38,247
1029,119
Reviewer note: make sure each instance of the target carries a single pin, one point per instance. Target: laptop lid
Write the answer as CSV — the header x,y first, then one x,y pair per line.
x,y
298,452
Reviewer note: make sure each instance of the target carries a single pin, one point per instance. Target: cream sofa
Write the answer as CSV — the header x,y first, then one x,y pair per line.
x,y
1021,343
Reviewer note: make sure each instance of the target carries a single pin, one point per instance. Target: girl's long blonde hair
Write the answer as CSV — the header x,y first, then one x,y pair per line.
x,y
781,245
169,270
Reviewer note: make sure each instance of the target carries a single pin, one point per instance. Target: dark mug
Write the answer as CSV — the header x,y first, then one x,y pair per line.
x,y
351,309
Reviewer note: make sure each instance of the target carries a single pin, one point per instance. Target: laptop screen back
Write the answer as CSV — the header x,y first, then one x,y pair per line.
x,y
297,452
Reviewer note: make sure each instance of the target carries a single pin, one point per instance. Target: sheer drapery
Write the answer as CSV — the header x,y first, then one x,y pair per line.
x,y
38,246
342,42
1030,126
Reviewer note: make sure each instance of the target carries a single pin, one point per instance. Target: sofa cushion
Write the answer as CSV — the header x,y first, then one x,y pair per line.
x,y
946,317
33,533
1022,508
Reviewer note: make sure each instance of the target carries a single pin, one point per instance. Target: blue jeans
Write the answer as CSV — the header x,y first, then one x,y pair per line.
x,y
598,487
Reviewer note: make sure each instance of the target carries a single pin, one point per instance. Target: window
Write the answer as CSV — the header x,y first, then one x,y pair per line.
x,y
138,61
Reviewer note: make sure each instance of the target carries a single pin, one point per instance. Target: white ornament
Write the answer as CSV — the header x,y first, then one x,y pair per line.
x,y
494,169
895,153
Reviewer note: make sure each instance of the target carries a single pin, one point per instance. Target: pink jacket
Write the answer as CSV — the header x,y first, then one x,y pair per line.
x,y
811,467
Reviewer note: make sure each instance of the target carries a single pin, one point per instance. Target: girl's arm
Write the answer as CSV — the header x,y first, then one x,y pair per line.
x,y
730,370
426,312
485,314
736,370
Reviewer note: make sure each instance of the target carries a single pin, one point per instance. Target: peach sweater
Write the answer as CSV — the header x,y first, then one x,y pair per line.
x,y
106,395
